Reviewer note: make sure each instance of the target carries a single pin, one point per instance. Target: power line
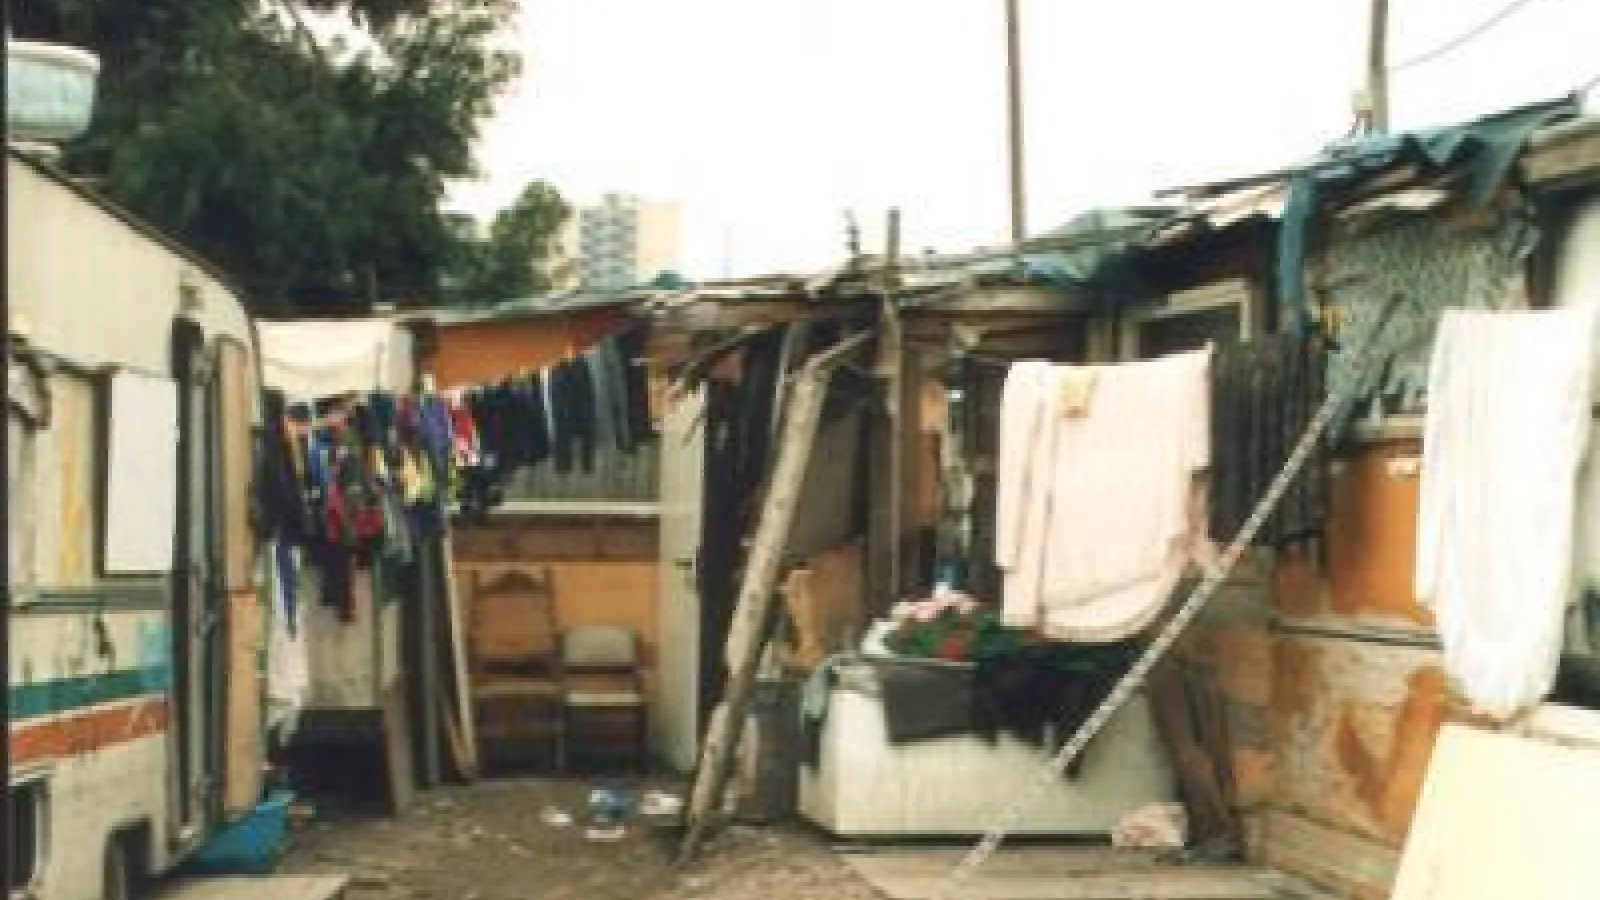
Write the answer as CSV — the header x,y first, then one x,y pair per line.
x,y
1462,39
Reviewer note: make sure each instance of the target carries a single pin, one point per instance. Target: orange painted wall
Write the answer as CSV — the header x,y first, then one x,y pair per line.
x,y
483,352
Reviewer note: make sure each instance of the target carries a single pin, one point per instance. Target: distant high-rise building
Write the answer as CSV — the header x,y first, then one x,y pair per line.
x,y
623,241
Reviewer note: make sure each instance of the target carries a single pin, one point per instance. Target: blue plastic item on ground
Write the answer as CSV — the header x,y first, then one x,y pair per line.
x,y
249,846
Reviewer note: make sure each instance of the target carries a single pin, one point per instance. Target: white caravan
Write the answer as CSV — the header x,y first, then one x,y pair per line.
x,y
131,411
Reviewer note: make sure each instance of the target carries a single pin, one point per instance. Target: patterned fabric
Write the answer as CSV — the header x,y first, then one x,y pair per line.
x,y
1431,264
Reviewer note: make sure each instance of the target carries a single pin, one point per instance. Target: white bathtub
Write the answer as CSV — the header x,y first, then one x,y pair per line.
x,y
863,786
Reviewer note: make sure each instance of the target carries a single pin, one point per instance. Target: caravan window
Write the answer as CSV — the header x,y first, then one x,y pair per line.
x,y
141,470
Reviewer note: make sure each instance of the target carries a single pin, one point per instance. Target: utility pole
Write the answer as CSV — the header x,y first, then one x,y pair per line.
x,y
1014,93
1377,68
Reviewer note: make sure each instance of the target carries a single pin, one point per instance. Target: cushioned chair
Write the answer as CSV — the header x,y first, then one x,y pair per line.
x,y
515,661
602,673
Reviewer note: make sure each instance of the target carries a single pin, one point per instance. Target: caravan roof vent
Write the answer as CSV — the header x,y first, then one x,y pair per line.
x,y
49,91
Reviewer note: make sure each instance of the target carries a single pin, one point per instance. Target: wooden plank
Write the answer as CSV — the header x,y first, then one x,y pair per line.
x,y
431,734
245,756
399,765
463,730
1503,816
746,638
464,765
271,887
238,417
1567,157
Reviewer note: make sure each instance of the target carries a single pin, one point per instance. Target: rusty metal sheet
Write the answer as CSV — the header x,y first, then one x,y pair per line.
x,y
1354,723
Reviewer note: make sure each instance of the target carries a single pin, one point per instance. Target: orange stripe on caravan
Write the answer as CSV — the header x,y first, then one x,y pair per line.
x,y
82,733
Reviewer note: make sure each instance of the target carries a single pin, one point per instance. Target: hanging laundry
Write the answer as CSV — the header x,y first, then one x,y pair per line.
x,y
608,430
1507,425
572,395
288,667
278,502
1097,513
631,349
352,480
1263,396
531,433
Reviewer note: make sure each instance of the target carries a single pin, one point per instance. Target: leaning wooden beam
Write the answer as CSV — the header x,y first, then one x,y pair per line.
x,y
466,726
747,634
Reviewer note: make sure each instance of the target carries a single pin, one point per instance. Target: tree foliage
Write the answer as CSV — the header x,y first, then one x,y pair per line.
x,y
518,258
311,175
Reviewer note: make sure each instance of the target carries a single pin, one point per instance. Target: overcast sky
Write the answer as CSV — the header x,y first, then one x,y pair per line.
x,y
767,118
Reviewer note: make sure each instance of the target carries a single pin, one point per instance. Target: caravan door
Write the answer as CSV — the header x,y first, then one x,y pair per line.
x,y
197,601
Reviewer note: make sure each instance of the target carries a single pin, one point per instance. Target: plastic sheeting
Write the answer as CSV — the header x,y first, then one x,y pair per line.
x,y
313,359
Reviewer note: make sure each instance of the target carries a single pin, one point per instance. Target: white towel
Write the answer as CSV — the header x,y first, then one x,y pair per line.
x,y
1507,425
1095,513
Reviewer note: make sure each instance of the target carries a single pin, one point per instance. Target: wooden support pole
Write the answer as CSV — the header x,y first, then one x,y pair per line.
x,y
891,450
1378,68
747,635
1019,225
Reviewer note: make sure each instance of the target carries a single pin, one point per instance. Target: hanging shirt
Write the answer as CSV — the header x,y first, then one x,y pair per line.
x,y
1097,504
1507,425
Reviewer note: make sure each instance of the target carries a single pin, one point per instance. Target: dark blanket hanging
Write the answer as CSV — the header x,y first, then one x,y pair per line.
x,y
573,398
737,425
1263,395
631,349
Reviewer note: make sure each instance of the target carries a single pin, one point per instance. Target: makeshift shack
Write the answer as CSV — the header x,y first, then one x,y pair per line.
x,y
1299,713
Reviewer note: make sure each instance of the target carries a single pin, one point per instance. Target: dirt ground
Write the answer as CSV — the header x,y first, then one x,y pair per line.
x,y
489,841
